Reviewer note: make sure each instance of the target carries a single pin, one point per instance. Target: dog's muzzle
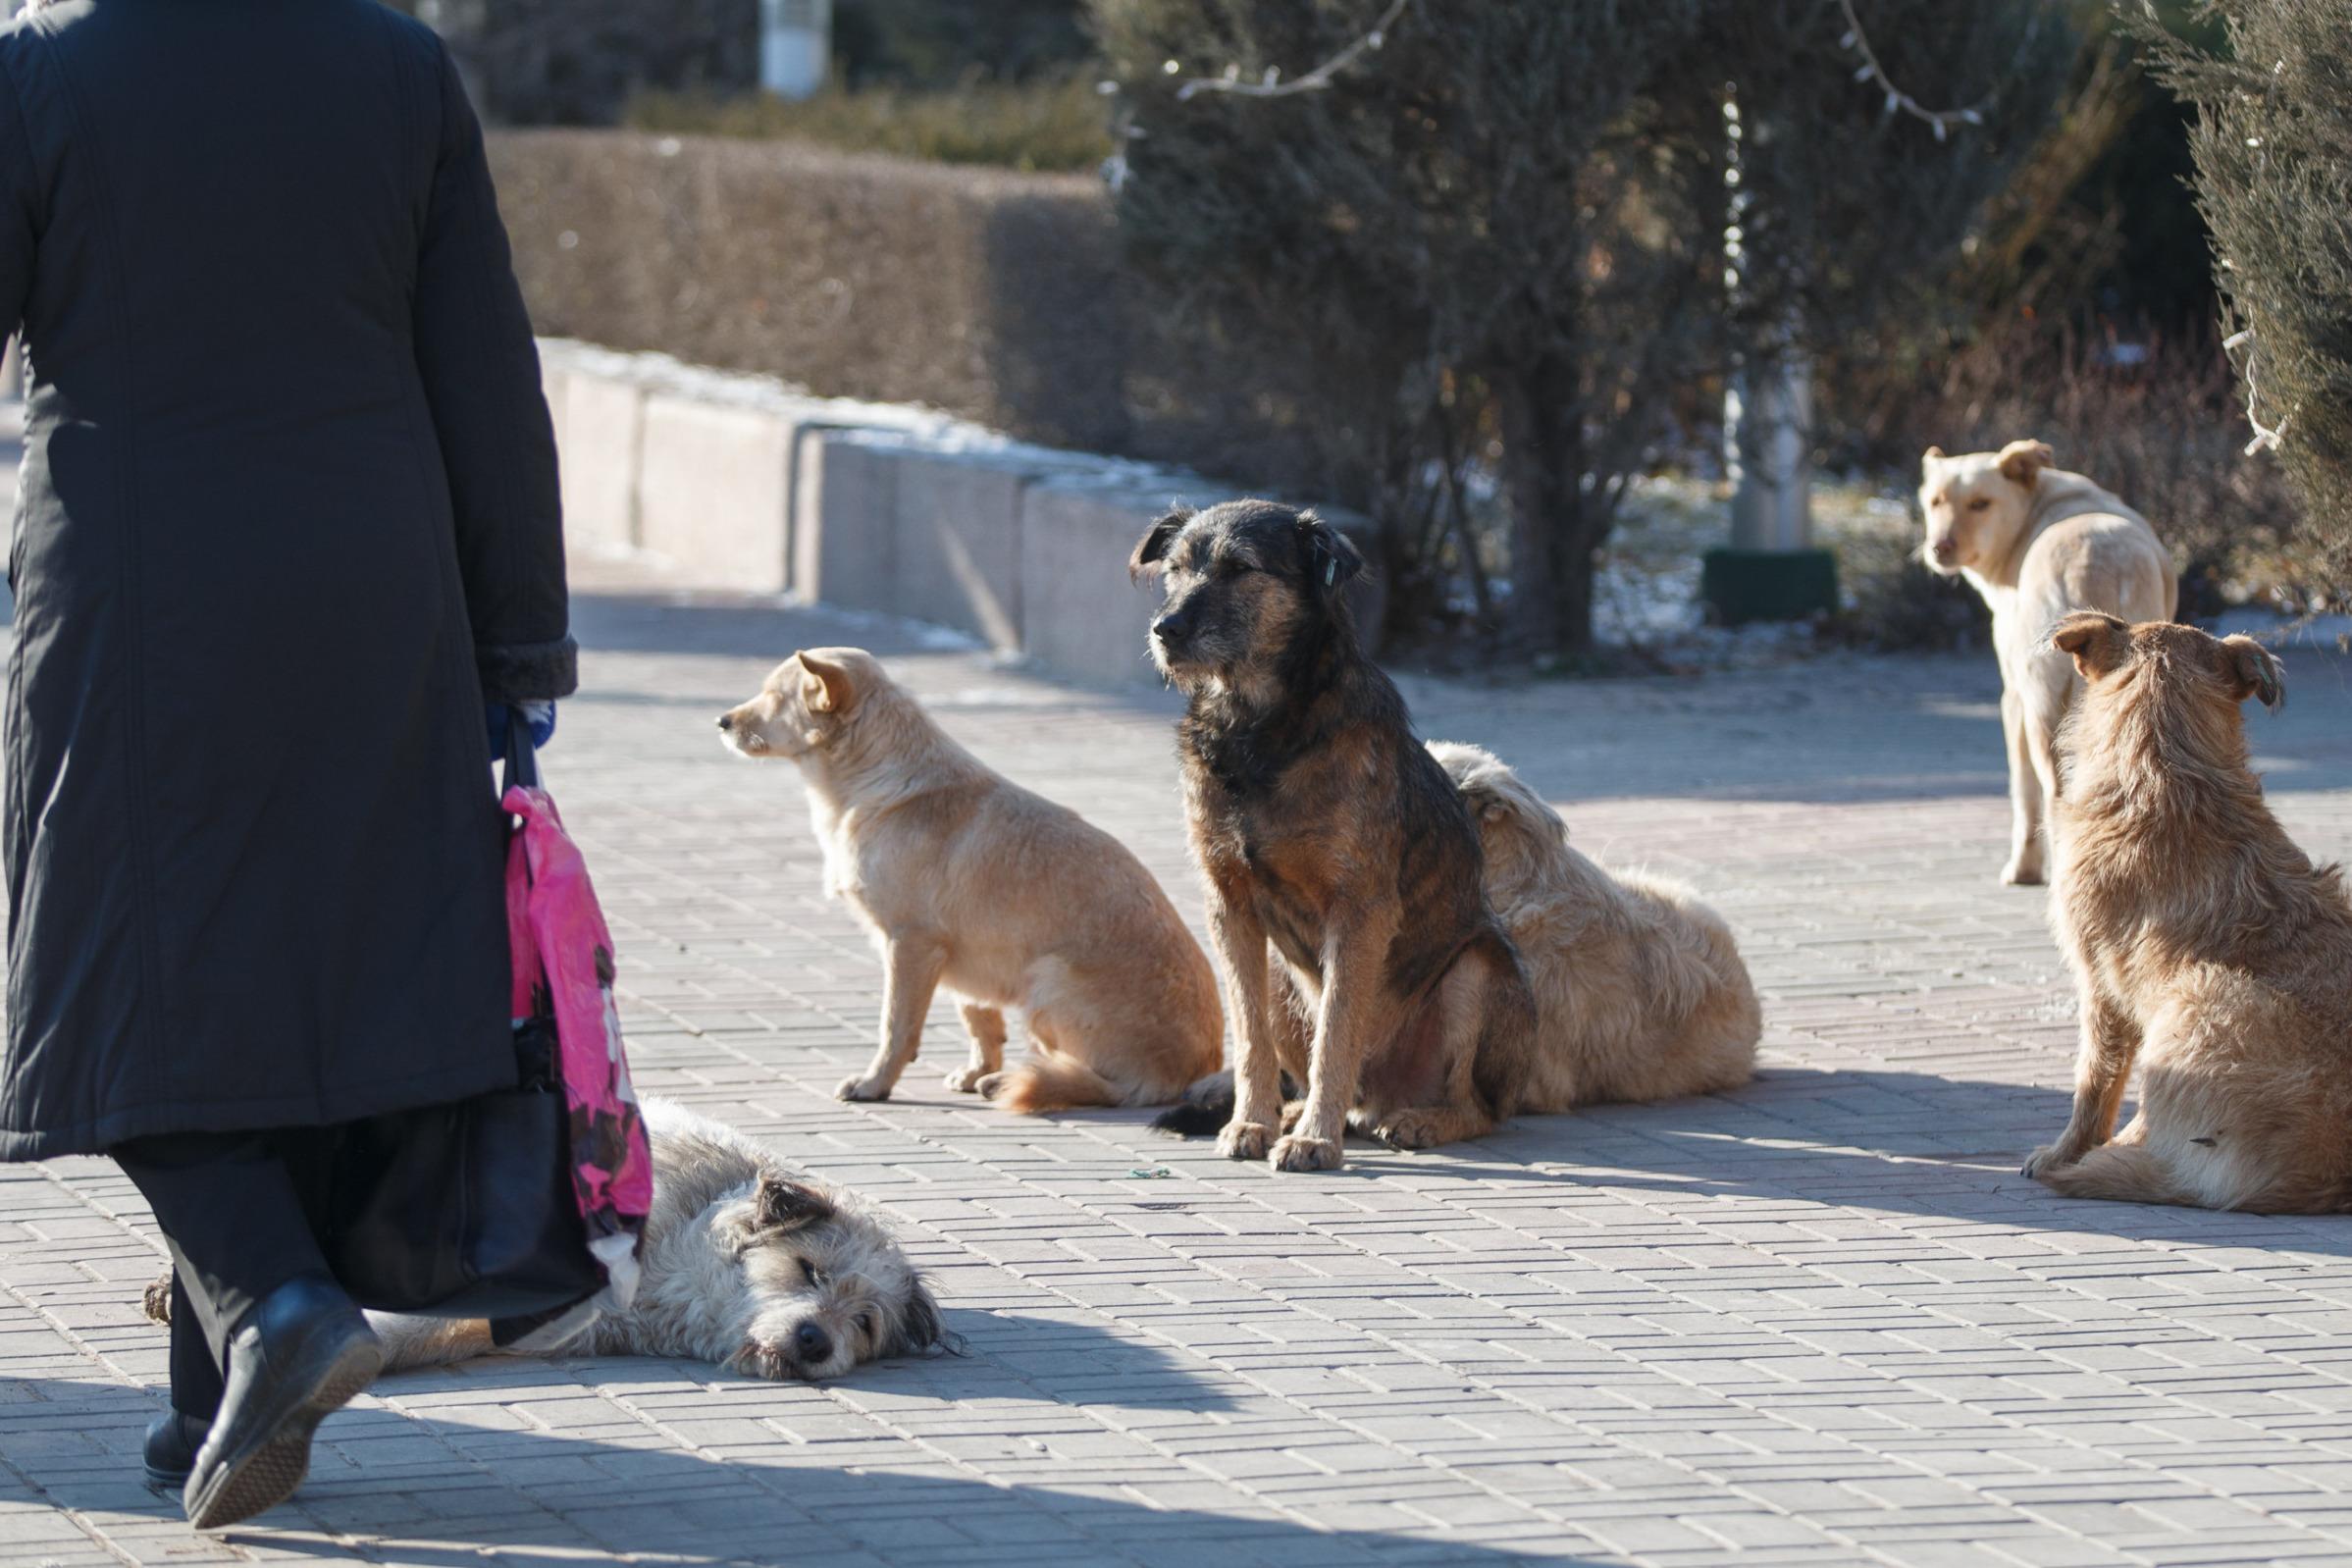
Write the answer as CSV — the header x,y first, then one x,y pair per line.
x,y
1172,632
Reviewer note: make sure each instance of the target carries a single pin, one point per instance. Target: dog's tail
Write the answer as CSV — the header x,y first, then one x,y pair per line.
x,y
2121,1173
1052,1081
1203,1112
430,1342
407,1342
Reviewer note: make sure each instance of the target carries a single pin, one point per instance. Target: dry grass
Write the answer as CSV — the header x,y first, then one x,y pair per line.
x,y
1043,127
990,293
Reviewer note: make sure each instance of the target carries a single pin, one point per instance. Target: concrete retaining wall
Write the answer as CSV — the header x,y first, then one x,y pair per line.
x,y
713,488
743,484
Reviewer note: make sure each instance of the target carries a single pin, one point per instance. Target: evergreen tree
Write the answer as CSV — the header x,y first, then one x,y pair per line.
x,y
2272,146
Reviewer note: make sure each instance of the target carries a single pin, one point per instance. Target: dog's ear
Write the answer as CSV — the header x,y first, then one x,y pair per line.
x,y
2097,643
2022,461
1931,454
827,684
1152,547
921,1327
2252,670
790,1206
1331,557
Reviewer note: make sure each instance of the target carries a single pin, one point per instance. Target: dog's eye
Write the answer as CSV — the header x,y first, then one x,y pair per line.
x,y
812,1275
1980,503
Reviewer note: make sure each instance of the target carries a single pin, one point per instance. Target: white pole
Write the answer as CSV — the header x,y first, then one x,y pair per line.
x,y
796,46
1767,417
1767,398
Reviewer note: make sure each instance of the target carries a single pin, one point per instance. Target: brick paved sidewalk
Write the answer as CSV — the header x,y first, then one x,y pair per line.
x,y
1820,1319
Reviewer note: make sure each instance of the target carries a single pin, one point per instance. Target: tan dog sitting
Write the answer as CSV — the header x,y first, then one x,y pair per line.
x,y
2205,945
1640,991
2037,542
971,882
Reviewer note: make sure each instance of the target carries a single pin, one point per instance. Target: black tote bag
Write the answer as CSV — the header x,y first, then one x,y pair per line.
x,y
466,1209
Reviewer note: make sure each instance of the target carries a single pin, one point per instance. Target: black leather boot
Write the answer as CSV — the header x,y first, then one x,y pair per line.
x,y
173,1439
297,1356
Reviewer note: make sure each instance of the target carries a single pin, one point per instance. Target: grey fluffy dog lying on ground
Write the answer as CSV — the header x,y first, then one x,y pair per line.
x,y
747,1263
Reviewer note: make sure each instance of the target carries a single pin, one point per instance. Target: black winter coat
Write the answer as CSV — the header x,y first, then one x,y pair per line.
x,y
287,510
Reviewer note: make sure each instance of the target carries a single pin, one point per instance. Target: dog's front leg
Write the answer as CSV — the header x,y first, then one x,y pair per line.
x,y
987,1026
1242,953
911,967
1346,1016
2111,1041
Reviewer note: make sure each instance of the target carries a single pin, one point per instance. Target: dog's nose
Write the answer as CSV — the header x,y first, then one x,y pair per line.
x,y
812,1344
726,722
1943,549
1170,628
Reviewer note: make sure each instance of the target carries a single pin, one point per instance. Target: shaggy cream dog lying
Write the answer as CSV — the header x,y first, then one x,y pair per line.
x,y
971,882
1640,991
2037,542
747,1263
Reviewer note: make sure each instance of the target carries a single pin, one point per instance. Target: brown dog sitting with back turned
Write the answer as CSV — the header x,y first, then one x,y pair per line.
x,y
2206,946
1359,952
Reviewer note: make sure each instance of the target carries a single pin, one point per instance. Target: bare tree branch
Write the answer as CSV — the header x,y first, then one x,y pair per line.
x,y
1897,99
1272,85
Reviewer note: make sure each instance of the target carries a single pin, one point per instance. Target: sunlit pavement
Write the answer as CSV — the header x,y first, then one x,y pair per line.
x,y
1818,1320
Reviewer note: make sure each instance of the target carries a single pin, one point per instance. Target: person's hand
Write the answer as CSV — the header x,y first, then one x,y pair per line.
x,y
540,716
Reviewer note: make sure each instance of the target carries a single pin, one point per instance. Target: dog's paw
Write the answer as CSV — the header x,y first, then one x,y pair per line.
x,y
1295,1153
1243,1140
968,1080
2021,873
862,1089
1410,1130
158,1300
2046,1159
991,1085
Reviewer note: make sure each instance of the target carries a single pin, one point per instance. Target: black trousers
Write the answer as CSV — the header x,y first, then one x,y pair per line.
x,y
241,1212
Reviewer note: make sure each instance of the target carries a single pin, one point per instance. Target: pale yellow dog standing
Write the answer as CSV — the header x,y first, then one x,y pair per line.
x,y
2038,542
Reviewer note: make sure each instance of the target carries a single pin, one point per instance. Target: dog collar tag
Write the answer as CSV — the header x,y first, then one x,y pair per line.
x,y
1331,573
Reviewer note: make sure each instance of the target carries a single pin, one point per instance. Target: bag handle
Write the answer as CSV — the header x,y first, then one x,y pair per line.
x,y
521,761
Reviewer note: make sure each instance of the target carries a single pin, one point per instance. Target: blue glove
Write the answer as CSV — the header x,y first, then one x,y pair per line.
x,y
540,716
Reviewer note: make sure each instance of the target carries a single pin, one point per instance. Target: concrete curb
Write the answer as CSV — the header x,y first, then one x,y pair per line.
x,y
746,484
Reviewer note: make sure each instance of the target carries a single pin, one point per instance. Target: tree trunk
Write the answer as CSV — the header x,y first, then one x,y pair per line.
x,y
1555,525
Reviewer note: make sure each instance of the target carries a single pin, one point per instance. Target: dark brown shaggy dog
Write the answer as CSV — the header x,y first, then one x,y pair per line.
x,y
1344,872
2207,950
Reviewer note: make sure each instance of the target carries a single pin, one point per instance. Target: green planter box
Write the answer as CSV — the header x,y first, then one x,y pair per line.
x,y
1768,585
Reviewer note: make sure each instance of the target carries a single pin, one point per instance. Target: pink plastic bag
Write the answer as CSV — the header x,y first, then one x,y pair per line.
x,y
564,967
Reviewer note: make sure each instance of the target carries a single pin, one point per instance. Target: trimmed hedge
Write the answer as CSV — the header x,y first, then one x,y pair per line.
x,y
994,296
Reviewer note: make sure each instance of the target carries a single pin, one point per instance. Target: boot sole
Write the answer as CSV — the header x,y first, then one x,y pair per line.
x,y
253,1483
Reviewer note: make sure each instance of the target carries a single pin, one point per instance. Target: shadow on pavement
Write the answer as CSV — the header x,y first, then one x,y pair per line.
x,y
1917,1144
437,1491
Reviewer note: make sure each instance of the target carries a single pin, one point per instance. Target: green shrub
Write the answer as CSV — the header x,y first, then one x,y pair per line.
x,y
1041,127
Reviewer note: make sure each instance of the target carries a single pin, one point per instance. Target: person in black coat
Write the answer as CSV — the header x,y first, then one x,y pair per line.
x,y
287,521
